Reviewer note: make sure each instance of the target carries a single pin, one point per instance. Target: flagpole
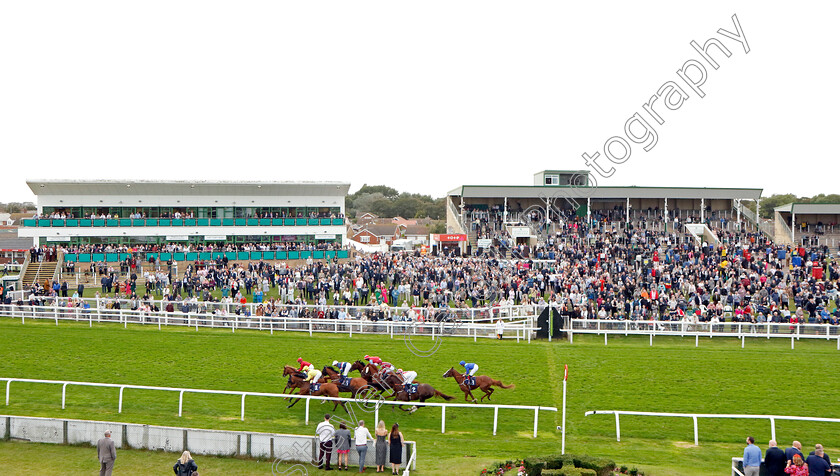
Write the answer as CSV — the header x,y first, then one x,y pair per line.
x,y
563,428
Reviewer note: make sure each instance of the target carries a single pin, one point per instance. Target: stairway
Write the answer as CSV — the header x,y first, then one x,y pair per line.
x,y
38,271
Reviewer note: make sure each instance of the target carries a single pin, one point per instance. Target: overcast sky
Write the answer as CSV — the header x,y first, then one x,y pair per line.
x,y
421,96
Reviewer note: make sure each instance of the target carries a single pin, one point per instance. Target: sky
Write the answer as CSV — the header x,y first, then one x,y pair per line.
x,y
421,96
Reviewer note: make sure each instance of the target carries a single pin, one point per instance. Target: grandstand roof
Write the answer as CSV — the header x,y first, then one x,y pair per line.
x,y
186,188
812,208
536,191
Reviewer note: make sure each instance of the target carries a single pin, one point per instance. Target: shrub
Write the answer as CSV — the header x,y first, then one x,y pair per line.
x,y
569,472
601,466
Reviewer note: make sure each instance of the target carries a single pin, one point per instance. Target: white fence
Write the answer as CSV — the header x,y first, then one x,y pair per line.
x,y
366,404
695,416
741,330
272,446
521,328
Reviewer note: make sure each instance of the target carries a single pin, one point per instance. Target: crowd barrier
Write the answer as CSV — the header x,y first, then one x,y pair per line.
x,y
191,222
741,330
516,328
364,405
276,447
207,256
695,416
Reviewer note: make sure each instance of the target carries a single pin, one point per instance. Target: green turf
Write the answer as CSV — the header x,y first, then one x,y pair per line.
x,y
766,377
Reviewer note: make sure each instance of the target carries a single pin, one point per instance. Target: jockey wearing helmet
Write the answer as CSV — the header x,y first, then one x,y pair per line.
x,y
303,364
407,376
343,367
312,375
373,359
470,368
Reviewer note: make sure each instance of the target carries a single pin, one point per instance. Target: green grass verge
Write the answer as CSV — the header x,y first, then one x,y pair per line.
x,y
766,377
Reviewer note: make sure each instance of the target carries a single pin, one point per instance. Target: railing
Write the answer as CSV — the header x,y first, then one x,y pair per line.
x,y
457,216
741,330
695,416
376,402
519,329
178,222
252,309
112,257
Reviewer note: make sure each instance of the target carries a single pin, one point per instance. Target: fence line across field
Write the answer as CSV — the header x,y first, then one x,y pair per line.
x,y
741,330
377,402
519,329
695,416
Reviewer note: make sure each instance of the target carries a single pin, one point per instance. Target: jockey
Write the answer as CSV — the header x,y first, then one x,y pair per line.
x,y
303,364
470,369
373,359
312,375
407,376
343,367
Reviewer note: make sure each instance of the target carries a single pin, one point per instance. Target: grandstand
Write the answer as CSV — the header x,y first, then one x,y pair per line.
x,y
807,224
114,212
557,196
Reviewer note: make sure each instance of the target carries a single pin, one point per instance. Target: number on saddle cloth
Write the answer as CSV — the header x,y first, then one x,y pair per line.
x,y
470,380
411,388
344,381
315,387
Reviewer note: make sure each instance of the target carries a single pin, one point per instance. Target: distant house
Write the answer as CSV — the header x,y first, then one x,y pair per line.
x,y
366,218
376,234
403,221
6,219
416,233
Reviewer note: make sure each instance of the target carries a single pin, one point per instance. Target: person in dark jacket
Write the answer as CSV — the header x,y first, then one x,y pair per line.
x,y
185,465
775,460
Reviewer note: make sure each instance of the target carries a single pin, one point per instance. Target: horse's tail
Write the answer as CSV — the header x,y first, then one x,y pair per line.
x,y
499,383
443,396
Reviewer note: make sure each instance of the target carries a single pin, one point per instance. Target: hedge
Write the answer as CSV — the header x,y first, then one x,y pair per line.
x,y
569,472
538,466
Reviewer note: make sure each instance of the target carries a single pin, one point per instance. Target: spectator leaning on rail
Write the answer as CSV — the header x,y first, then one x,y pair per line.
x,y
752,458
819,464
774,460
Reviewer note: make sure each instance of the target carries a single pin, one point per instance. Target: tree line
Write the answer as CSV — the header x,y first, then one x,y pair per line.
x,y
776,200
385,201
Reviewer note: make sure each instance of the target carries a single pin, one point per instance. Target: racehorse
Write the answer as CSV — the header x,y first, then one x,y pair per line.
x,y
328,389
295,378
372,374
356,383
482,382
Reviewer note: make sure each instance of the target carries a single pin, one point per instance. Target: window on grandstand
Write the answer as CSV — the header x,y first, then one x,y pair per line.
x,y
552,179
365,239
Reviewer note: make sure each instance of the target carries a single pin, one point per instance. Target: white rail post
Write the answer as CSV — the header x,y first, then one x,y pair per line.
x,y
772,428
536,420
697,340
617,428
63,394
180,403
119,410
791,343
742,341
442,418
495,419
306,418
310,334
651,340
8,386
242,411
605,338
90,320
56,311
696,435
391,328
158,319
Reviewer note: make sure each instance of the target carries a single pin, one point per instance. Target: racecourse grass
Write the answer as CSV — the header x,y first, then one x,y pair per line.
x,y
766,377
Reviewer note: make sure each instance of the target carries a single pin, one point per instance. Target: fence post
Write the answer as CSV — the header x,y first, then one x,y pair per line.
x,y
242,412
536,420
442,416
306,420
63,394
791,343
8,386
119,410
697,340
696,436
310,335
495,419
605,338
180,402
651,340
772,428
617,428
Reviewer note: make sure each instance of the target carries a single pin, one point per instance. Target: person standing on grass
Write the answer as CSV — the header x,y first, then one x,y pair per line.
x,y
362,436
774,460
342,445
107,453
396,443
185,466
795,449
752,458
325,432
500,328
381,446
819,464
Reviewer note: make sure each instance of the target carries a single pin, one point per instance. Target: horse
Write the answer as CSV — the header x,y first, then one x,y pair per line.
x,y
295,378
482,382
371,373
423,393
328,389
356,383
